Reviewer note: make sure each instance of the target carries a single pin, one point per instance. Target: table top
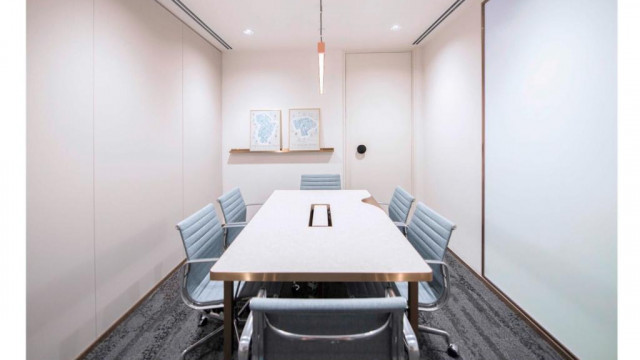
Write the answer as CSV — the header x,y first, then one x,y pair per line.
x,y
362,244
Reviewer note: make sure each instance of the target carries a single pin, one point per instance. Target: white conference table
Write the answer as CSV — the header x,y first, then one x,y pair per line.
x,y
278,244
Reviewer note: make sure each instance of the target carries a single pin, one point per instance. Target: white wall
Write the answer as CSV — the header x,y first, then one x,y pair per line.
x,y
279,80
550,197
202,137
448,123
123,105
60,249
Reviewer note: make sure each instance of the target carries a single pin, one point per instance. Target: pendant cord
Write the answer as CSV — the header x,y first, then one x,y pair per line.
x,y
320,20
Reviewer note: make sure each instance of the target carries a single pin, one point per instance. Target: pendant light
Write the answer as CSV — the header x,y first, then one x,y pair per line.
x,y
321,55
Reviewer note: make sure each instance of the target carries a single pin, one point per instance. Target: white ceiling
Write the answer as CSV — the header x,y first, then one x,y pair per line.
x,y
354,25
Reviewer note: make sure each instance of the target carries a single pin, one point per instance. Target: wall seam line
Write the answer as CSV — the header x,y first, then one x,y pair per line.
x,y
182,113
93,162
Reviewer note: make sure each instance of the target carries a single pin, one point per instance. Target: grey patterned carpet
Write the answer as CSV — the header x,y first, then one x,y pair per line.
x,y
480,324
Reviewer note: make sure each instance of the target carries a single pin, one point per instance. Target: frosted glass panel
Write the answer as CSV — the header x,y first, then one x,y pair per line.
x,y
550,165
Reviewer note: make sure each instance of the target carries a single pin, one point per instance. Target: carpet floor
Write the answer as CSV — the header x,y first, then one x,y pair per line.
x,y
480,324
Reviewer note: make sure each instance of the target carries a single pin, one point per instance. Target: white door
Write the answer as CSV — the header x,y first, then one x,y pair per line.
x,y
378,116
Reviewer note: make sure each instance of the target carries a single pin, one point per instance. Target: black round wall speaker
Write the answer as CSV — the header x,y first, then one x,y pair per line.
x,y
361,149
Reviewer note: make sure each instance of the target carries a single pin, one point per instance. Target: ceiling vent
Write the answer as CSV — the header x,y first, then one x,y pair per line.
x,y
435,24
202,24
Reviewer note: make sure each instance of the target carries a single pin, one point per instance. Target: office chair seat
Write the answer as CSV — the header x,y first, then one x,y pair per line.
x,y
426,294
208,290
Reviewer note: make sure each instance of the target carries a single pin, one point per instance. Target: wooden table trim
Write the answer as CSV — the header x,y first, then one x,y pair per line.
x,y
321,277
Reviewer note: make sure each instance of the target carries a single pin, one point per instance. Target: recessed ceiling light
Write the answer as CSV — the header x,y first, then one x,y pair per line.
x,y
247,32
395,27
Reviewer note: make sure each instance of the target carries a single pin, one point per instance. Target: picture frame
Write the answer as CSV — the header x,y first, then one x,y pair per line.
x,y
265,130
304,129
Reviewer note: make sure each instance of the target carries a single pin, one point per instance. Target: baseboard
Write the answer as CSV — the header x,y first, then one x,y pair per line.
x,y
126,314
566,353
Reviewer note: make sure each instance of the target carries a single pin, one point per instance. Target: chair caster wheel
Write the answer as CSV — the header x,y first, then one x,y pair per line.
x,y
203,321
452,350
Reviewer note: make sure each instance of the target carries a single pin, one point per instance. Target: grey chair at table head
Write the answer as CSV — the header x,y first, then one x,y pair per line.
x,y
335,329
202,238
429,233
399,207
320,182
234,210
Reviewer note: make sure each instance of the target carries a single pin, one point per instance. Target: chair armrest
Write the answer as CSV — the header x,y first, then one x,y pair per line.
x,y
410,340
196,261
254,204
188,300
445,295
235,225
244,344
400,224
383,203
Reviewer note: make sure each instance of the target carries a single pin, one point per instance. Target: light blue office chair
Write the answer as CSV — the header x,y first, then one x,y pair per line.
x,y
429,233
234,210
202,237
320,182
294,329
399,207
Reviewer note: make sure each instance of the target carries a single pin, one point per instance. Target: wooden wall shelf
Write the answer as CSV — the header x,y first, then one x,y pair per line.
x,y
283,151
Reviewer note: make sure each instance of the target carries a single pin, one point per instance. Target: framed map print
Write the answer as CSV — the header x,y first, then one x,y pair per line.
x,y
304,129
266,131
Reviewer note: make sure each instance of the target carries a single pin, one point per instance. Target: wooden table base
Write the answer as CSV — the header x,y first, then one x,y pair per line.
x,y
228,320
413,305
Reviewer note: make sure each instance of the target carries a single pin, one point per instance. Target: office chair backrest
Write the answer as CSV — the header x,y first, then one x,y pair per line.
x,y
316,328
429,233
234,210
320,182
400,205
202,238
233,206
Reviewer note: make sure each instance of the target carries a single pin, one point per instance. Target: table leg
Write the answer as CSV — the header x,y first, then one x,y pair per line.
x,y
228,320
413,305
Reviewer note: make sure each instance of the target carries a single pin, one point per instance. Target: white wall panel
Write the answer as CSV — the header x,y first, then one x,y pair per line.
x,y
138,151
202,122
137,81
449,127
550,239
60,273
279,80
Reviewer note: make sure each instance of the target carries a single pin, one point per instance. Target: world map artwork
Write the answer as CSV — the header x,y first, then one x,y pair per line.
x,y
304,129
305,126
265,130
266,127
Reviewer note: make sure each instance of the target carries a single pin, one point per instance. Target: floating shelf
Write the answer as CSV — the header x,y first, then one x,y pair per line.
x,y
283,151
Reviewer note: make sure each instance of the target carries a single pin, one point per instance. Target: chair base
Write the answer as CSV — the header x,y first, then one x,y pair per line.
x,y
203,321
452,349
201,341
